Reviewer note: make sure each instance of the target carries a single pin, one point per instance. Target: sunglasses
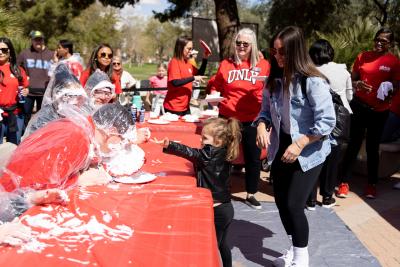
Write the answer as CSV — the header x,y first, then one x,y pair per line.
x,y
382,41
116,63
5,50
274,51
106,55
239,44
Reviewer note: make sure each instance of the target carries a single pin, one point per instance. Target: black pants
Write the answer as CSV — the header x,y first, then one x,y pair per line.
x,y
292,187
223,216
29,104
330,172
372,122
179,113
251,155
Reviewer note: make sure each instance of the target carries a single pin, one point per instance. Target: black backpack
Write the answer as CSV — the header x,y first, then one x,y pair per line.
x,y
341,132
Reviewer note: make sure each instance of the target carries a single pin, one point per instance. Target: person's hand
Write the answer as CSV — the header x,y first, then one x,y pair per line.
x,y
94,176
55,57
292,152
49,196
164,142
263,136
143,135
364,86
14,233
200,78
25,91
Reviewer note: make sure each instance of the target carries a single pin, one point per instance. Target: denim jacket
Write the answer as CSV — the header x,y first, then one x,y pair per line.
x,y
311,115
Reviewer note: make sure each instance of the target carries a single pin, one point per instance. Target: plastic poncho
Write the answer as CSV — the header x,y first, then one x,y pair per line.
x,y
98,80
53,156
63,89
12,204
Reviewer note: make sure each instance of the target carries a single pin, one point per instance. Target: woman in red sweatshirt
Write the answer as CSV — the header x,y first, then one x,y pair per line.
x,y
240,79
11,76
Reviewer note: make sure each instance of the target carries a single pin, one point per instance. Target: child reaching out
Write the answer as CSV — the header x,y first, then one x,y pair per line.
x,y
220,140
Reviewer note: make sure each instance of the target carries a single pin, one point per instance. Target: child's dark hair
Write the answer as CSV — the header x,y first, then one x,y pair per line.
x,y
227,131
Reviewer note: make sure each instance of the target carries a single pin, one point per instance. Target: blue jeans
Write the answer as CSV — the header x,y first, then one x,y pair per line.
x,y
15,137
391,132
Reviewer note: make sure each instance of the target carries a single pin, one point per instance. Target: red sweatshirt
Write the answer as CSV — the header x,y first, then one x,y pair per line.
x,y
243,94
114,79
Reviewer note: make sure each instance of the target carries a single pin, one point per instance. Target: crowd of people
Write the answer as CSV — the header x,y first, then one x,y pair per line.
x,y
285,104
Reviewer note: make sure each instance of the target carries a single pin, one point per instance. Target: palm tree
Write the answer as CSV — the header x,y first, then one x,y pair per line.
x,y
10,27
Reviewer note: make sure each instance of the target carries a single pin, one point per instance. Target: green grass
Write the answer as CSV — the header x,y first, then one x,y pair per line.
x,y
142,72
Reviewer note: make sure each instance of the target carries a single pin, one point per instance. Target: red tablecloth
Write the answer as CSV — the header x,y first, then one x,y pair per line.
x,y
168,222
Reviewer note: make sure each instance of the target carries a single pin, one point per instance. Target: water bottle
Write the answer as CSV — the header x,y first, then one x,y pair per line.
x,y
21,98
134,112
142,112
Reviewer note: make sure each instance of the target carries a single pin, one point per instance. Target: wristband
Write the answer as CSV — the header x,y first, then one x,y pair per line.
x,y
297,144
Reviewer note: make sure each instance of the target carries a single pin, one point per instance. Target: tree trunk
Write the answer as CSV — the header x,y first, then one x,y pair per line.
x,y
227,17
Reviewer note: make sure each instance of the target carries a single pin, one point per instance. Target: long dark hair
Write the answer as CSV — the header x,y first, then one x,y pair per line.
x,y
180,44
297,59
13,60
67,44
94,64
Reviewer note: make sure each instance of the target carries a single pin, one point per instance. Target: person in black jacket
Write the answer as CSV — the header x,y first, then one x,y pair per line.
x,y
220,140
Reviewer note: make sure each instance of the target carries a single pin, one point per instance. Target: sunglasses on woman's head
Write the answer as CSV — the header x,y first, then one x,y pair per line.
x,y
239,44
4,50
274,51
106,55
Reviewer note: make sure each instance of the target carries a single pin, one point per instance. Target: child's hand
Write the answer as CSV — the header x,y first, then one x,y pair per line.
x,y
164,143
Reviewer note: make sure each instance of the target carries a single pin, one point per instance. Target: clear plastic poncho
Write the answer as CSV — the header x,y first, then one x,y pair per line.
x,y
63,89
13,204
98,80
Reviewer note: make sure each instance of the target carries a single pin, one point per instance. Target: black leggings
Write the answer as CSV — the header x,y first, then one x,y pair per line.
x,y
372,122
251,155
179,113
223,216
292,187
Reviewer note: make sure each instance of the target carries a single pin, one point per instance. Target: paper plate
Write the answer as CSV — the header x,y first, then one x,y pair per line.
x,y
140,179
214,99
158,121
205,46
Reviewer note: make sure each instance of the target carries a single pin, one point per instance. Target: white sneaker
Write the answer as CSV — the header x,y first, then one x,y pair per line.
x,y
285,260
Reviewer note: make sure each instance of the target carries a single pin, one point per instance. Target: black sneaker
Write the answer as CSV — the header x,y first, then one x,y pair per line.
x,y
328,202
253,202
310,205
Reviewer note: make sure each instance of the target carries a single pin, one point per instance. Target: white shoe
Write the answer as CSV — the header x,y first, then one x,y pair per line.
x,y
285,260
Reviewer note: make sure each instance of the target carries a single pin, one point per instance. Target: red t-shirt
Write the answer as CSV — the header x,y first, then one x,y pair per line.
x,y
243,95
9,87
375,69
50,157
178,98
114,79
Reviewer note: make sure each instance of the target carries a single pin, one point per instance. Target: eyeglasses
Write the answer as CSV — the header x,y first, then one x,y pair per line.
x,y
5,50
382,41
281,51
102,93
239,44
116,63
106,55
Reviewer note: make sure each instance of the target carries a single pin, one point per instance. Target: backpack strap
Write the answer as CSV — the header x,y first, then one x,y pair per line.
x,y
303,84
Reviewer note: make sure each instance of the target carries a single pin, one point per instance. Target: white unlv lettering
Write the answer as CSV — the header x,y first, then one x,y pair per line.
x,y
242,75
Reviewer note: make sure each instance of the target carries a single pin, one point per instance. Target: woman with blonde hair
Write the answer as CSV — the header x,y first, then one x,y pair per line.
x,y
240,79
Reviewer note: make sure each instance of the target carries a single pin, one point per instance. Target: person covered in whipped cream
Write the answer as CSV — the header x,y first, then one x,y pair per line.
x,y
63,89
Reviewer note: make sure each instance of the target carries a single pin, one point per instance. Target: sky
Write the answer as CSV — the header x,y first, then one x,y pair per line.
x,y
144,8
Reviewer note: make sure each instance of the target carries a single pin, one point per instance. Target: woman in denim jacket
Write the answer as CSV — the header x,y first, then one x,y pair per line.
x,y
296,128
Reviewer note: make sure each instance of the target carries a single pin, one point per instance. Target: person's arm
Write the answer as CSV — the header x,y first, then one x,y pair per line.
x,y
349,88
203,67
180,150
183,81
321,104
263,121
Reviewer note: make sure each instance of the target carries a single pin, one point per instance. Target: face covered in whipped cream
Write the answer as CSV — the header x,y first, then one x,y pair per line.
x,y
110,142
70,94
102,93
